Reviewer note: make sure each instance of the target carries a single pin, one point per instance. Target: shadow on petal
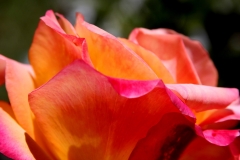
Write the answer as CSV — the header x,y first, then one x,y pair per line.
x,y
35,149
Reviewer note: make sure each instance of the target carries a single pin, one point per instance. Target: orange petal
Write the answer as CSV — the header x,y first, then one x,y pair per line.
x,y
19,84
52,49
200,149
166,140
186,60
14,142
201,98
152,61
80,112
110,56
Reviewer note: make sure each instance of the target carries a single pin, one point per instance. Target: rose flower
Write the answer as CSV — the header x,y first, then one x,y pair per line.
x,y
89,95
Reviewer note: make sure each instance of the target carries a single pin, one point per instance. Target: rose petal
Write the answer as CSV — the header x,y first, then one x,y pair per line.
x,y
110,56
235,149
221,137
201,98
170,50
19,84
203,64
200,149
52,49
66,25
220,118
80,113
131,88
62,25
14,142
151,59
166,140
200,59
213,123
232,112
51,21
5,107
135,89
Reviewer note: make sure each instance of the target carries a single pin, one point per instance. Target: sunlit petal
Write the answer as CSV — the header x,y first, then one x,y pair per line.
x,y
105,123
110,56
52,49
19,84
152,60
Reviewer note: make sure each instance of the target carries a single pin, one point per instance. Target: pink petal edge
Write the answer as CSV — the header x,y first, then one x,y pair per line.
x,y
12,139
50,20
200,97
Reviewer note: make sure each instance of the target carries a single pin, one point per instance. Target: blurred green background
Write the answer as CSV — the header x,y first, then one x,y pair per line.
x,y
213,22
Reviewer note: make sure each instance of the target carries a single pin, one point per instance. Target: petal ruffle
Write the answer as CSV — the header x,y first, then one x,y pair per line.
x,y
201,98
111,57
186,59
50,20
81,112
52,49
14,142
62,25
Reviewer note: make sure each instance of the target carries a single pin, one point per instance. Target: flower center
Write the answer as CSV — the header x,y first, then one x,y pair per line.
x,y
176,141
